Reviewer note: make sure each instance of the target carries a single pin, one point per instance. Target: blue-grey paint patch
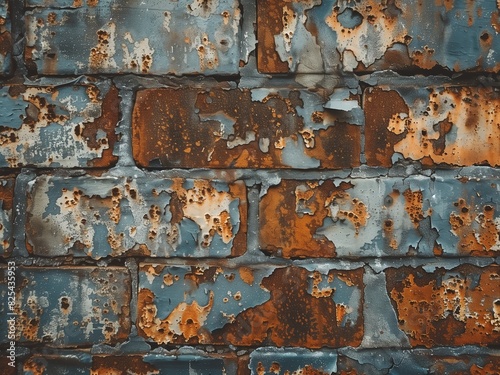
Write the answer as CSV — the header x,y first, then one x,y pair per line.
x,y
150,37
108,216
67,363
68,306
5,40
270,360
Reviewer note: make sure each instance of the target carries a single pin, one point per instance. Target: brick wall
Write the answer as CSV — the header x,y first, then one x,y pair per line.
x,y
249,187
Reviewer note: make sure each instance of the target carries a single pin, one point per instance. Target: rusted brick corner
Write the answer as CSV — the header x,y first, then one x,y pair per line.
x,y
453,307
6,214
250,306
72,125
325,37
242,128
173,37
5,39
450,126
70,306
109,216
415,216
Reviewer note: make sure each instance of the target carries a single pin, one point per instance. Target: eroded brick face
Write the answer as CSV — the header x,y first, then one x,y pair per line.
x,y
316,37
416,216
69,306
279,306
101,217
453,126
455,307
260,128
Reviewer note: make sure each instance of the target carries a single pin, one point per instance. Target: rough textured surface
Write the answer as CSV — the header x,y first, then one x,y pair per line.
x,y
247,306
6,206
5,39
314,36
259,128
70,306
148,37
72,125
415,216
100,217
456,126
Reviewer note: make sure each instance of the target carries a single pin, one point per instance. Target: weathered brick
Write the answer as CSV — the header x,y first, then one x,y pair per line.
x,y
71,125
318,37
6,203
5,39
248,306
182,363
120,216
69,306
243,128
154,37
419,361
453,126
453,307
381,217
269,361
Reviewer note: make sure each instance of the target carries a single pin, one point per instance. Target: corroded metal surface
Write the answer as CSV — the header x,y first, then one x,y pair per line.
x,y
259,128
184,362
314,36
58,126
456,126
69,306
381,217
453,307
128,36
6,203
99,217
250,306
270,361
5,39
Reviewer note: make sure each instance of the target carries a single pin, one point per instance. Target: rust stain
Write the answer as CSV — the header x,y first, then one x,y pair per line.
x,y
270,23
413,206
7,194
454,307
125,364
292,316
246,275
34,367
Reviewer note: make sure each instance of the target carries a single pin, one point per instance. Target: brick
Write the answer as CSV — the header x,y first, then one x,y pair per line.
x,y
419,361
124,216
243,128
6,205
183,363
319,37
69,306
154,37
72,125
415,216
453,307
249,306
451,126
5,39
270,361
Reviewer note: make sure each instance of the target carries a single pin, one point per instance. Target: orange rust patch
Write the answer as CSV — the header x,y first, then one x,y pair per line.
x,y
413,206
124,364
447,307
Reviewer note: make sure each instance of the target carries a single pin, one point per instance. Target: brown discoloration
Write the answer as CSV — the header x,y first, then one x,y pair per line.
x,y
292,212
32,365
270,23
5,41
478,232
380,107
7,193
227,131
292,316
128,364
413,206
446,307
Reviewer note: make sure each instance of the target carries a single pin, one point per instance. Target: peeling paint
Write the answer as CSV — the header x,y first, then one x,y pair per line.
x,y
440,125
5,39
100,217
46,312
455,307
271,130
58,126
153,37
212,305
390,217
